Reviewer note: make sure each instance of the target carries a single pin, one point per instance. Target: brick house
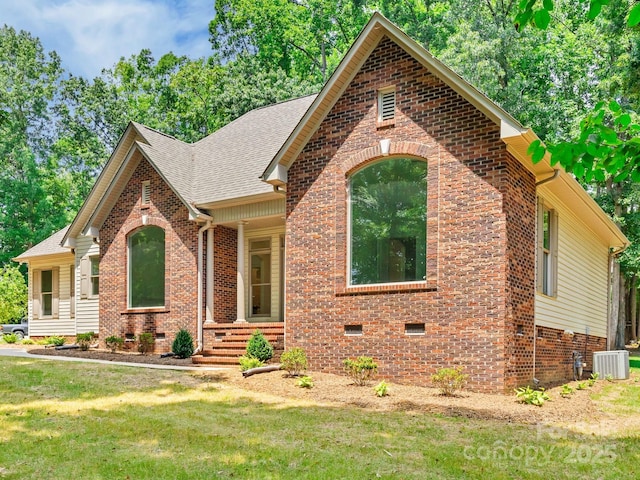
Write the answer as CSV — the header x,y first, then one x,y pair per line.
x,y
396,214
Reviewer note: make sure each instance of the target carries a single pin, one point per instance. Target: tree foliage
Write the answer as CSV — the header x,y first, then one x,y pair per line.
x,y
13,295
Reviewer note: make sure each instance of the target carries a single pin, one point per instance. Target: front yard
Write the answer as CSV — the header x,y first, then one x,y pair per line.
x,y
76,420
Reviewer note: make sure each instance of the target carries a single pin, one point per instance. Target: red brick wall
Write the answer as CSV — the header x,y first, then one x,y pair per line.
x,y
225,274
181,239
554,363
480,277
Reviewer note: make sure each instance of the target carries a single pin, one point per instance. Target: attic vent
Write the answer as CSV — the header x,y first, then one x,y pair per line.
x,y
386,104
146,193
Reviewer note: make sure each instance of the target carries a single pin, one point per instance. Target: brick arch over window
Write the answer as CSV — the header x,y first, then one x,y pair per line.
x,y
402,149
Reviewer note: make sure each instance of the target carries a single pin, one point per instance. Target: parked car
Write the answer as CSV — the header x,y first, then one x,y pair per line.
x,y
20,330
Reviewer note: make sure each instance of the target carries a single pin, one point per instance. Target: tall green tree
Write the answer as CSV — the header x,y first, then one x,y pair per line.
x,y
13,294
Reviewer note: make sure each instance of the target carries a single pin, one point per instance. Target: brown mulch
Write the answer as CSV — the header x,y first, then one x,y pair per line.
x,y
337,390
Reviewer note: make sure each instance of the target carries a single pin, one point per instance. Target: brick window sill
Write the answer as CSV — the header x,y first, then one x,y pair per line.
x,y
387,288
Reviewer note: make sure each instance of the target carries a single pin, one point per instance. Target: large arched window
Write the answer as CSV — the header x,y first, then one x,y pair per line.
x,y
146,268
388,222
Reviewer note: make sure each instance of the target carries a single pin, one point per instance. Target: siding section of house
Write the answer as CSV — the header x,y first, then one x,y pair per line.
x,y
480,251
63,324
581,303
87,308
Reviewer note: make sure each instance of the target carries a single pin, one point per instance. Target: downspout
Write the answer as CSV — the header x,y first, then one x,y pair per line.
x,y
556,174
206,226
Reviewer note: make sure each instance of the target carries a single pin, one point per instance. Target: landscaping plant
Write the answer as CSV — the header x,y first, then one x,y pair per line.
x,y
259,347
114,343
450,380
566,391
294,361
382,389
182,345
10,337
247,363
360,369
145,343
55,340
531,397
84,340
305,382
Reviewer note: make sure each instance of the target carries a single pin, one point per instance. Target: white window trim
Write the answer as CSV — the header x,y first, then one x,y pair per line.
x,y
551,288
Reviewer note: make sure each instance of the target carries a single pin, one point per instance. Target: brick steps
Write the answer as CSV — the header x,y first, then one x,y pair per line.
x,y
225,342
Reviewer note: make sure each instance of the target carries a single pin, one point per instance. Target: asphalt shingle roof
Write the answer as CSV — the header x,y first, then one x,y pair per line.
x,y
49,246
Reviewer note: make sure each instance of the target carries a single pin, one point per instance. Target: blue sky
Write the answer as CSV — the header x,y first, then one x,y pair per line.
x,y
90,35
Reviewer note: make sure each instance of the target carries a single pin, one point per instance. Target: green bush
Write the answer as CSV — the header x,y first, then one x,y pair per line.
x,y
114,343
305,382
294,361
382,389
145,343
28,341
84,340
360,369
531,397
10,337
247,363
55,340
449,380
182,345
259,347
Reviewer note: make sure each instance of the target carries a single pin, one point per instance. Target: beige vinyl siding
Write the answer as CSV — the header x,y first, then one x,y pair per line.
x,y
273,234
582,271
87,307
62,323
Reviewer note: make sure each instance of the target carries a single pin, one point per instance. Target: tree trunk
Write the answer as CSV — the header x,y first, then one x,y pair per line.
x,y
622,314
614,304
633,302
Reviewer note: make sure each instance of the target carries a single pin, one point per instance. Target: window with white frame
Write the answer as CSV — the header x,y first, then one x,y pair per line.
x,y
46,292
95,276
146,267
387,221
547,250
260,258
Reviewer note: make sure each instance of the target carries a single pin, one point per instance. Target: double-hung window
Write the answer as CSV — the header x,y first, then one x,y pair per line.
x,y
547,250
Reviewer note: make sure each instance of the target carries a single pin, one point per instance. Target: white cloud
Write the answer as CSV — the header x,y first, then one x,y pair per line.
x,y
92,34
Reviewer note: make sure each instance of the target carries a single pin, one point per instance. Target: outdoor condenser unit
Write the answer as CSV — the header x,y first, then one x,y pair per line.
x,y
614,363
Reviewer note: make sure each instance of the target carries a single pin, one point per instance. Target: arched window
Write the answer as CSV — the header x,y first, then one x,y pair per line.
x,y
388,222
146,268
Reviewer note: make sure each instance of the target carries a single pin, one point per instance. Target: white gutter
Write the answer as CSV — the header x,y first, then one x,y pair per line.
x,y
206,226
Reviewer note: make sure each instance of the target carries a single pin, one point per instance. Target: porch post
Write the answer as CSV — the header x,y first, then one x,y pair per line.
x,y
209,284
240,275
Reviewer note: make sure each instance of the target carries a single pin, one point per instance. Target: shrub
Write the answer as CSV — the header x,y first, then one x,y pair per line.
x,y
382,389
305,382
247,363
182,345
84,340
10,337
361,369
531,397
566,391
450,380
145,343
294,361
114,343
28,341
55,340
259,347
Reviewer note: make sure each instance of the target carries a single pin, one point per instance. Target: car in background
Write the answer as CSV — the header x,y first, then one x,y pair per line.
x,y
20,330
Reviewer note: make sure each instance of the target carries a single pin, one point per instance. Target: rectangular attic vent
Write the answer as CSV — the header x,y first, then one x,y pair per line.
x,y
146,192
386,104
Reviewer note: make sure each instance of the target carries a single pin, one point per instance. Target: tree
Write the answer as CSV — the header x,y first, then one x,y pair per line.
x,y
13,295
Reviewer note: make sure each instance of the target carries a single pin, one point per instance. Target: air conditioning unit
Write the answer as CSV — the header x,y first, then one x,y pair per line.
x,y
614,363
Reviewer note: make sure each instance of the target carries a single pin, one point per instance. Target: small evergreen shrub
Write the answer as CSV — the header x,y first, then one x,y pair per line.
x,y
114,343
449,380
182,345
259,347
84,340
360,369
294,361
382,389
305,382
145,343
247,363
10,337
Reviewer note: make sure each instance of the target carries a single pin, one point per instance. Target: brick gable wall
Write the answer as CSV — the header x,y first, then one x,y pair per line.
x,y
167,211
480,278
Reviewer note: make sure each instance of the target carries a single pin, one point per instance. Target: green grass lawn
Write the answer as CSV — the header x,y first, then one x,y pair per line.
x,y
85,421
